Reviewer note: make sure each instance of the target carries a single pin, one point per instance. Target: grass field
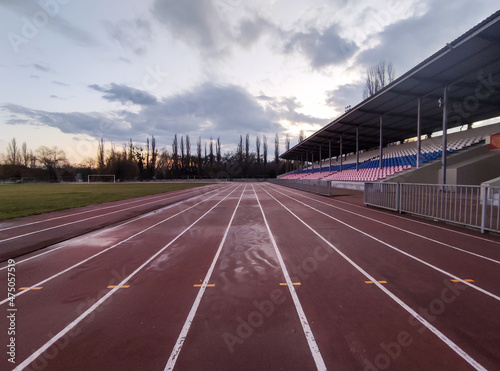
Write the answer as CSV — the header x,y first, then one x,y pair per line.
x,y
17,200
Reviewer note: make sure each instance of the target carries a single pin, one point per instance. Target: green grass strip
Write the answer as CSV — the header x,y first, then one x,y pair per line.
x,y
18,200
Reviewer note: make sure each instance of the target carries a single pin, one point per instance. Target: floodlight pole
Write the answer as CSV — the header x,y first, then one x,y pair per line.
x,y
419,131
381,143
340,152
330,153
445,129
357,148
319,161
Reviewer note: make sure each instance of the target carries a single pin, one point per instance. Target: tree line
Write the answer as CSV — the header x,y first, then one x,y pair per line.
x,y
44,163
147,161
188,159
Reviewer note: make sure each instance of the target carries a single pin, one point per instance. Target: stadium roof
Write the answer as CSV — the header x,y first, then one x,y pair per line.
x,y
469,66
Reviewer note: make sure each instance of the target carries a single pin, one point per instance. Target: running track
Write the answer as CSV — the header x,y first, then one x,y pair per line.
x,y
255,277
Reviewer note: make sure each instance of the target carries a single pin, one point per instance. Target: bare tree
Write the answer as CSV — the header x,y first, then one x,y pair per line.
x,y
277,149
154,155
247,147
100,155
188,150
130,150
175,152
302,136
240,151
287,142
25,154
257,145
13,153
182,151
264,149
52,159
377,77
219,151
211,155
147,153
198,150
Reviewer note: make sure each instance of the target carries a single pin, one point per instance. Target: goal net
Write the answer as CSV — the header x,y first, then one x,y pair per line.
x,y
107,178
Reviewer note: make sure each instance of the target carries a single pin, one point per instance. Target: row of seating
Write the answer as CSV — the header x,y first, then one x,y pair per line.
x,y
396,158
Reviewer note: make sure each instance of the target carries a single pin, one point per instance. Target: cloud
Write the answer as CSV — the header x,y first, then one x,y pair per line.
x,y
133,34
345,95
286,108
321,47
209,108
439,24
39,67
206,110
94,124
251,29
124,94
55,21
59,83
196,23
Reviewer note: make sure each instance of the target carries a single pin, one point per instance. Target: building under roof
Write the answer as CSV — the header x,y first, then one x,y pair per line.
x,y
458,85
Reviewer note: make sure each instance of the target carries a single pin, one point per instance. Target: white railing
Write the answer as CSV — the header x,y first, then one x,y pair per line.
x,y
474,206
321,187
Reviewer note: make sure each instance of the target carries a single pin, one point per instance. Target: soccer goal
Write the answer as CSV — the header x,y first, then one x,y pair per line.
x,y
103,178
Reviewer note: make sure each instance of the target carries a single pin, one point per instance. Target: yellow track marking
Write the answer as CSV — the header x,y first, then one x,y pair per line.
x,y
123,287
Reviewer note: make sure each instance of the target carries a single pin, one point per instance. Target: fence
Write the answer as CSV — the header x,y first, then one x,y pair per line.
x,y
474,206
320,187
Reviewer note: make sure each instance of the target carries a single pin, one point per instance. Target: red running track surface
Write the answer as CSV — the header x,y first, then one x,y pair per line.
x,y
256,276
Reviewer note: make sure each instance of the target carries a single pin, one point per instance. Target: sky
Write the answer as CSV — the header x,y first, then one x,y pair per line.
x,y
75,71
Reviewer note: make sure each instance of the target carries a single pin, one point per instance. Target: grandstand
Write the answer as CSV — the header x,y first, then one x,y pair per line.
x,y
454,88
386,145
397,159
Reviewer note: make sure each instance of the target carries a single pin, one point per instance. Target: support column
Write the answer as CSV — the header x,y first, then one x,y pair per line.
x,y
330,153
419,132
381,143
312,161
357,148
319,161
340,152
445,129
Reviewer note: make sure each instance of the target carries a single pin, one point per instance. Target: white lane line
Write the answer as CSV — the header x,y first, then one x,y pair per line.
x,y
41,283
95,210
313,347
399,229
422,320
73,324
77,221
106,230
448,274
419,222
189,320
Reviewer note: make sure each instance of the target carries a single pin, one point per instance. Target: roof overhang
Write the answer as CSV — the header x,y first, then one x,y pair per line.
x,y
470,69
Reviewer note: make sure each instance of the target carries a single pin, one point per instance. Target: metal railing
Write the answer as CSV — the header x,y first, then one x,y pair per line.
x,y
474,206
321,187
383,195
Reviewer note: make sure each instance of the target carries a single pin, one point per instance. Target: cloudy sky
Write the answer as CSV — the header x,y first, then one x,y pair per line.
x,y
74,71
